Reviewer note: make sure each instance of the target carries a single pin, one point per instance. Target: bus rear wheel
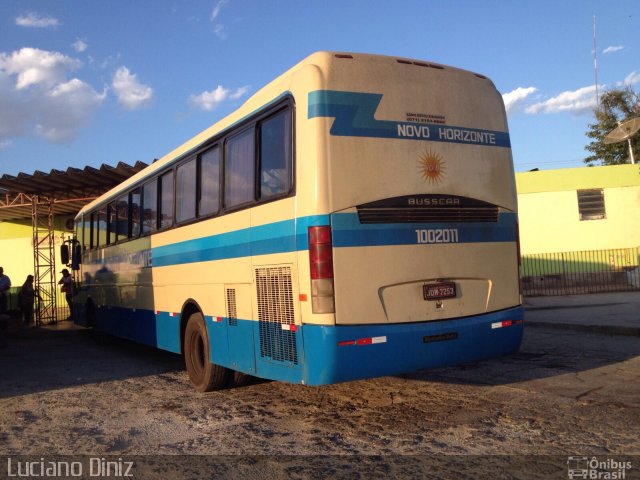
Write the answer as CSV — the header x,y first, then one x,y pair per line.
x,y
204,375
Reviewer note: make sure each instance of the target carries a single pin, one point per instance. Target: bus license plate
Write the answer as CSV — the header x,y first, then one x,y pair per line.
x,y
438,291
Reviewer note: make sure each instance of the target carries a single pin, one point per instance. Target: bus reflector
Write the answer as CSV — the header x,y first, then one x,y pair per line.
x,y
363,341
505,323
321,269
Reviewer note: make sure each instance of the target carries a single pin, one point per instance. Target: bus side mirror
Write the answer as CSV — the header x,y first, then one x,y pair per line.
x,y
64,254
76,259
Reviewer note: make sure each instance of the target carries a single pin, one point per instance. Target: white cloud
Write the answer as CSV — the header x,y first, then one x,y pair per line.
x,y
5,144
110,61
239,92
514,98
34,20
217,8
220,31
208,101
79,45
33,66
632,79
578,102
38,98
131,93
612,49
66,107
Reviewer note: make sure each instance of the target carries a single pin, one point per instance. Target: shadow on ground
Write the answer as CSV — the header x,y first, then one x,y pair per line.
x,y
545,352
52,357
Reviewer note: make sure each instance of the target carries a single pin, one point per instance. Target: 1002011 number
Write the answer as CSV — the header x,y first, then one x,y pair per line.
x,y
437,235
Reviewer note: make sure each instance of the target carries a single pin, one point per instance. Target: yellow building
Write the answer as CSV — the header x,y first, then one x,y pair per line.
x,y
575,209
16,247
579,227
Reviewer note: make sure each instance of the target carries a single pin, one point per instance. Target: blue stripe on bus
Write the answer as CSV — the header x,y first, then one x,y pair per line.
x,y
330,354
278,237
292,235
347,231
354,116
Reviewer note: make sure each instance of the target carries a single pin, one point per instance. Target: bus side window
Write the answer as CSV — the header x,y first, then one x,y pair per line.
x,y
166,200
122,218
186,191
209,201
275,155
86,238
111,223
150,206
102,227
135,200
94,230
239,171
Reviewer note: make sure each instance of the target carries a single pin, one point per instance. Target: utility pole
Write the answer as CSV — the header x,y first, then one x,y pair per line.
x,y
595,61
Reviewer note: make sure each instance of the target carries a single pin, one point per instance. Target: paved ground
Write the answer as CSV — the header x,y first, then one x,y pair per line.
x,y
566,393
612,313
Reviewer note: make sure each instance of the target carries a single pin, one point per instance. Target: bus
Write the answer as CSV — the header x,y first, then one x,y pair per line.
x,y
356,217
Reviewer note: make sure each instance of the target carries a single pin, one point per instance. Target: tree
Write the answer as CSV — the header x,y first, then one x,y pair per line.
x,y
616,106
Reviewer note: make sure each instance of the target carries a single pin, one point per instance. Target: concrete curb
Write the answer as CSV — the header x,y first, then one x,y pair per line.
x,y
605,329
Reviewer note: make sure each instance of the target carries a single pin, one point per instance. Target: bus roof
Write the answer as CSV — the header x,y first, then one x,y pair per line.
x,y
270,93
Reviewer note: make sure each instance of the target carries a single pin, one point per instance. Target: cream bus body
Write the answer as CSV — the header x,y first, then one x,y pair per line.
x,y
390,246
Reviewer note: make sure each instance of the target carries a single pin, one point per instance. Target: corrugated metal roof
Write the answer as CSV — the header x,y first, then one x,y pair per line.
x,y
68,190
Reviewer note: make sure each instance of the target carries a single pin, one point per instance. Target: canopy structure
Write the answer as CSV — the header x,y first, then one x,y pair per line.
x,y
67,191
42,196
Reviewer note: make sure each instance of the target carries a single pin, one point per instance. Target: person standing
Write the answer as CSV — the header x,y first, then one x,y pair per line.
x,y
5,285
25,299
67,288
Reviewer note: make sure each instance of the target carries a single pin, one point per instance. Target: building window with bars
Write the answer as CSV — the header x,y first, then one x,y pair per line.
x,y
591,204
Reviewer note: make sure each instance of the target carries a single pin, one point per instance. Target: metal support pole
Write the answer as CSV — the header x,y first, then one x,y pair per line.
x,y
44,260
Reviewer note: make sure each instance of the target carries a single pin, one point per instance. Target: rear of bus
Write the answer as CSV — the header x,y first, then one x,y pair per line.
x,y
414,263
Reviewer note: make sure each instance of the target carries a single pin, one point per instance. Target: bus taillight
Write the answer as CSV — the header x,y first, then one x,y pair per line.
x,y
321,268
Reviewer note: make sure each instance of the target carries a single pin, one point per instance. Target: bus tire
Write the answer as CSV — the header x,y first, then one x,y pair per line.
x,y
242,379
90,313
204,375
101,338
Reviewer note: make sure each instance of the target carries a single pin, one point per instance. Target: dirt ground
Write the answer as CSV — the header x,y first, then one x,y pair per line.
x,y
565,393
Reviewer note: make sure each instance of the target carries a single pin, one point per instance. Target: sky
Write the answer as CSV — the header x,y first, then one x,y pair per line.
x,y
87,82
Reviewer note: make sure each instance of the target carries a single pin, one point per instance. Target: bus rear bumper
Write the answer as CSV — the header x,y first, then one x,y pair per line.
x,y
342,353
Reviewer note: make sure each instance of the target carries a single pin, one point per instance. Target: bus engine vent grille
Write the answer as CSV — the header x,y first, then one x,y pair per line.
x,y
232,312
427,215
276,317
428,208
